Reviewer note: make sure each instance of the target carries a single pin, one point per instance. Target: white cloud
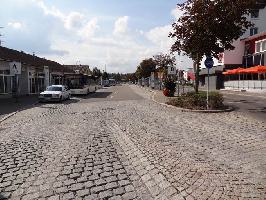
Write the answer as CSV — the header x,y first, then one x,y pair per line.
x,y
159,37
50,11
74,38
15,25
121,26
89,29
177,13
73,20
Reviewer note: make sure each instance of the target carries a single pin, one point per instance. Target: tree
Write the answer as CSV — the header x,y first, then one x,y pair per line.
x,y
164,61
105,76
145,68
96,72
209,27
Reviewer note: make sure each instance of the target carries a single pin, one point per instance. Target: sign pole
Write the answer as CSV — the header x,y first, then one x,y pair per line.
x,y
208,87
209,64
178,92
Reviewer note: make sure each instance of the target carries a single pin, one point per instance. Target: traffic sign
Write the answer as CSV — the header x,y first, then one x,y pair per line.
x,y
15,68
171,70
209,62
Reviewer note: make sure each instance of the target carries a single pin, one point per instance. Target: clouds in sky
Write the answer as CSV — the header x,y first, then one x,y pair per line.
x,y
68,36
15,25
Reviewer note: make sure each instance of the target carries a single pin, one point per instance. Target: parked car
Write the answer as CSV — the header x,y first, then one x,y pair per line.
x,y
106,83
55,93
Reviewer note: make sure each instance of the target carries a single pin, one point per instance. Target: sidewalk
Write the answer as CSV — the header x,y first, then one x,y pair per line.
x,y
8,106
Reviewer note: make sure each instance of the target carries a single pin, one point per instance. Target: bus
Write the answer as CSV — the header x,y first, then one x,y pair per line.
x,y
80,83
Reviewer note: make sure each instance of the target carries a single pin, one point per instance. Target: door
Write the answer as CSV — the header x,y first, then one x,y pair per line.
x,y
32,82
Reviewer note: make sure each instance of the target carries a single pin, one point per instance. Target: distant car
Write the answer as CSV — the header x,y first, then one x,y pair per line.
x,y
112,82
106,83
55,93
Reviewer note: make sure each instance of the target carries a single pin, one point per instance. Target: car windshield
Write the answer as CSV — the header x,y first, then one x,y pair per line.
x,y
54,89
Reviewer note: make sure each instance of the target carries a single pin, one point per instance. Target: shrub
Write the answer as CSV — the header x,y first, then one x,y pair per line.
x,y
170,86
198,101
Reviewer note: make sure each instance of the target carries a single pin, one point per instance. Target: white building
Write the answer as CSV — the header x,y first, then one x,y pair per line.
x,y
250,49
27,74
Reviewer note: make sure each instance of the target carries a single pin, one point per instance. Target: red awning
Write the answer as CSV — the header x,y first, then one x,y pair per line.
x,y
233,71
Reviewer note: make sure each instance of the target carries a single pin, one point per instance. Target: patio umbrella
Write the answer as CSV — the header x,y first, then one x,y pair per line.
x,y
234,71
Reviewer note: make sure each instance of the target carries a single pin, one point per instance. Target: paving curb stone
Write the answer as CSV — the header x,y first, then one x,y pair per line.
x,y
190,110
230,109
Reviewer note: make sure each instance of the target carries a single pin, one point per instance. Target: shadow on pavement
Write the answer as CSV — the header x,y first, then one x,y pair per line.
x,y
2,197
9,105
95,95
66,102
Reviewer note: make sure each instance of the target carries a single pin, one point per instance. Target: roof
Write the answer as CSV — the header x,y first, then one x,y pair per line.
x,y
261,34
20,56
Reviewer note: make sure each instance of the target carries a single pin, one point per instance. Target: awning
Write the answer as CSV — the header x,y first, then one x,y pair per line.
x,y
233,71
252,70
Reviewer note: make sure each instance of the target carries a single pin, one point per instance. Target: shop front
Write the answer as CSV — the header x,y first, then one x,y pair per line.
x,y
36,81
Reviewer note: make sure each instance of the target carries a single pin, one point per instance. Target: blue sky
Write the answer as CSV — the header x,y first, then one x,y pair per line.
x,y
117,33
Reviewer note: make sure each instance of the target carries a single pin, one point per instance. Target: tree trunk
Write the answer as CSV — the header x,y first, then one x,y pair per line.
x,y
196,70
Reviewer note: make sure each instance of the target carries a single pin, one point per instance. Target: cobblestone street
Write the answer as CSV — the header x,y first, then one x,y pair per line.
x,y
125,146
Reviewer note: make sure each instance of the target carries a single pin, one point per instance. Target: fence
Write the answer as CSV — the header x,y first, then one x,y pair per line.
x,y
246,84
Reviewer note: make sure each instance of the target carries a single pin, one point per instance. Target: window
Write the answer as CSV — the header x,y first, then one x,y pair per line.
x,y
258,44
263,46
253,31
255,14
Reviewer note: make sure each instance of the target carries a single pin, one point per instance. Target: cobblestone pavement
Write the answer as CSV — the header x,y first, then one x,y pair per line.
x,y
130,149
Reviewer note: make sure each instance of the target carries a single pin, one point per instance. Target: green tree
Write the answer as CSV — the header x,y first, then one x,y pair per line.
x,y
163,61
145,68
105,76
209,27
96,72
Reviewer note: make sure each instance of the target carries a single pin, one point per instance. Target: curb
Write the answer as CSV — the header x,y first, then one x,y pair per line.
x,y
190,110
13,113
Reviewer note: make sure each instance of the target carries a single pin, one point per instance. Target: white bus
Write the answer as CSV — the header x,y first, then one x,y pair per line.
x,y
80,84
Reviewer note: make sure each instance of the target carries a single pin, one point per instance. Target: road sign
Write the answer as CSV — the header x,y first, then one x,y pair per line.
x,y
15,68
171,71
209,62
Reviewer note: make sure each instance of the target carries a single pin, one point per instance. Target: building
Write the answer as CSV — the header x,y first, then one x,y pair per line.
x,y
26,74
250,50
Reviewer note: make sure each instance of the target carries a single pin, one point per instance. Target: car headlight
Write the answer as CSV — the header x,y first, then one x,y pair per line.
x,y
41,95
55,95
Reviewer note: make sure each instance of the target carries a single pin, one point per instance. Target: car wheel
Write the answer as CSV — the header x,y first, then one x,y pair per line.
x,y
60,100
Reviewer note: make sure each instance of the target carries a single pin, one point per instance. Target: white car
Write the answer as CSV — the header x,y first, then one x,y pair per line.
x,y
55,93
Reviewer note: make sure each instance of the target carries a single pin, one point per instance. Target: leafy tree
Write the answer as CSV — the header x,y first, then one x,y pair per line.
x,y
164,61
145,68
209,27
105,76
96,72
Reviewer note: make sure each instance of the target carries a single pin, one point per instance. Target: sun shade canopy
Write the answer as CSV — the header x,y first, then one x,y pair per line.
x,y
252,70
233,71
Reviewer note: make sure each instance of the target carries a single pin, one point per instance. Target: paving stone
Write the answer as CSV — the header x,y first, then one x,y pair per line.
x,y
105,194
82,193
120,149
